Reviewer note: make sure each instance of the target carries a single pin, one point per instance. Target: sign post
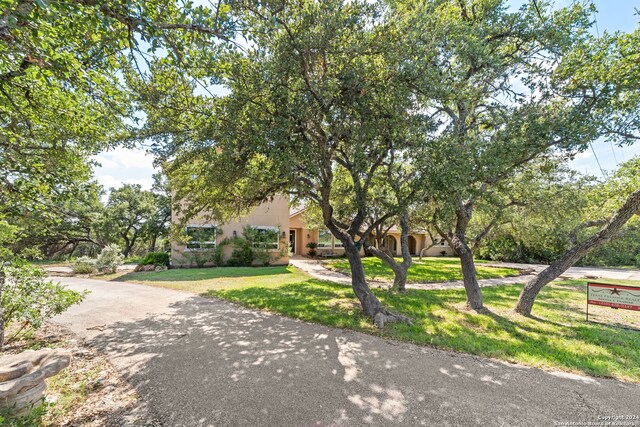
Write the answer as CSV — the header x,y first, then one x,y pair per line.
x,y
614,296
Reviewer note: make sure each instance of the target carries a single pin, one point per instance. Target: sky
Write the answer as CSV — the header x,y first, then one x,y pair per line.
x,y
135,166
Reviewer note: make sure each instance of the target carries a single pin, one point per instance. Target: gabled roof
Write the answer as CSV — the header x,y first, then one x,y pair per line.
x,y
295,210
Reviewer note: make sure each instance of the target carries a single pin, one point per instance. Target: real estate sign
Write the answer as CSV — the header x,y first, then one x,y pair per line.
x,y
615,296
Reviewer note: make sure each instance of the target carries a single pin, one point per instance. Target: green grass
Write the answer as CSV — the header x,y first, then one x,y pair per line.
x,y
556,337
133,260
425,271
200,280
50,263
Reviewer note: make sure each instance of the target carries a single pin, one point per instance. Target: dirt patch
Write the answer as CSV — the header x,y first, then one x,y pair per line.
x,y
90,392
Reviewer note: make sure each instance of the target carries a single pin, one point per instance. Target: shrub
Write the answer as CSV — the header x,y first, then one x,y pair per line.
x,y
243,253
84,265
109,259
312,249
31,419
218,253
199,257
262,257
156,258
30,299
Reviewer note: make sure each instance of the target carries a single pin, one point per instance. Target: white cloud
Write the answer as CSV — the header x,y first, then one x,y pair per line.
x,y
120,157
124,166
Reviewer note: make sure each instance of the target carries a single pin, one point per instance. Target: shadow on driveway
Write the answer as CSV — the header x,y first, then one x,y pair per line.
x,y
210,362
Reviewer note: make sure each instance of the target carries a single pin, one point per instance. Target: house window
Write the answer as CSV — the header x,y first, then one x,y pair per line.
x,y
324,239
266,237
201,236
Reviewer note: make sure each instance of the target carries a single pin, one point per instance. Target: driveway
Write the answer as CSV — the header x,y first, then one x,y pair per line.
x,y
580,272
205,362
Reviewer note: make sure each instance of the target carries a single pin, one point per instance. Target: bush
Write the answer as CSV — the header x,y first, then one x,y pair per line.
x,y
312,249
33,418
199,257
84,265
243,253
218,253
156,258
30,299
262,257
109,259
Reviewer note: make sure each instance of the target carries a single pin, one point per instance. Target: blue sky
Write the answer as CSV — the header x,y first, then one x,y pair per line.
x,y
135,166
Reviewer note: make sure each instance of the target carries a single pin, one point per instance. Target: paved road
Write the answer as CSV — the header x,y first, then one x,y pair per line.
x,y
199,362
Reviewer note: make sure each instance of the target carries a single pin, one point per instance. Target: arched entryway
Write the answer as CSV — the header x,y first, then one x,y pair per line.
x,y
392,244
412,245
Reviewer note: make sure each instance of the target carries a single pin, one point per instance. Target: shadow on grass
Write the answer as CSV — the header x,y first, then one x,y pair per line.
x,y
196,274
557,337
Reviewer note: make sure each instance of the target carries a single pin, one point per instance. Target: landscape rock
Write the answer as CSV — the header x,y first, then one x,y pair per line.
x,y
22,376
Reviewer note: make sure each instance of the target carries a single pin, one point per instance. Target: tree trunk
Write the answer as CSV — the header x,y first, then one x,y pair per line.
x,y
459,243
2,280
370,303
152,245
470,279
530,292
400,269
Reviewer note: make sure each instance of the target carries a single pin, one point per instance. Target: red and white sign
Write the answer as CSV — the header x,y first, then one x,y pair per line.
x,y
616,296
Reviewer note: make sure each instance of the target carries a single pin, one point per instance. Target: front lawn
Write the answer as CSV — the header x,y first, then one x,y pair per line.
x,y
556,337
425,271
200,280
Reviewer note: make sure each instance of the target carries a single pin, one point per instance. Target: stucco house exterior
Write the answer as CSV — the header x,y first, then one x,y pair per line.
x,y
285,234
300,235
270,219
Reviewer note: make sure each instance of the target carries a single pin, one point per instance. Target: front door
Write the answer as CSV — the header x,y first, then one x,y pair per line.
x,y
292,241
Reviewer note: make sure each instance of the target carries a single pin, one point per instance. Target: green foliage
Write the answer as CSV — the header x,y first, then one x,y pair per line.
x,y
243,253
109,259
126,215
156,258
256,246
622,250
84,265
199,257
32,419
312,249
29,298
526,232
62,71
218,253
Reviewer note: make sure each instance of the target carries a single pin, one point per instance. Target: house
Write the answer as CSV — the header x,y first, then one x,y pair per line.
x,y
270,221
282,233
300,235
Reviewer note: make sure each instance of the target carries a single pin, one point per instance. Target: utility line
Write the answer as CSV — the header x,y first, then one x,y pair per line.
x,y
604,175
614,153
595,21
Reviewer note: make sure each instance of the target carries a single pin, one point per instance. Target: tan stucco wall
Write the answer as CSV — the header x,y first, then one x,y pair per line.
x,y
272,214
305,235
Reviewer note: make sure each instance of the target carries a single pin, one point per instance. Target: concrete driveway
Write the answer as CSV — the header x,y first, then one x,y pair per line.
x,y
578,272
204,362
